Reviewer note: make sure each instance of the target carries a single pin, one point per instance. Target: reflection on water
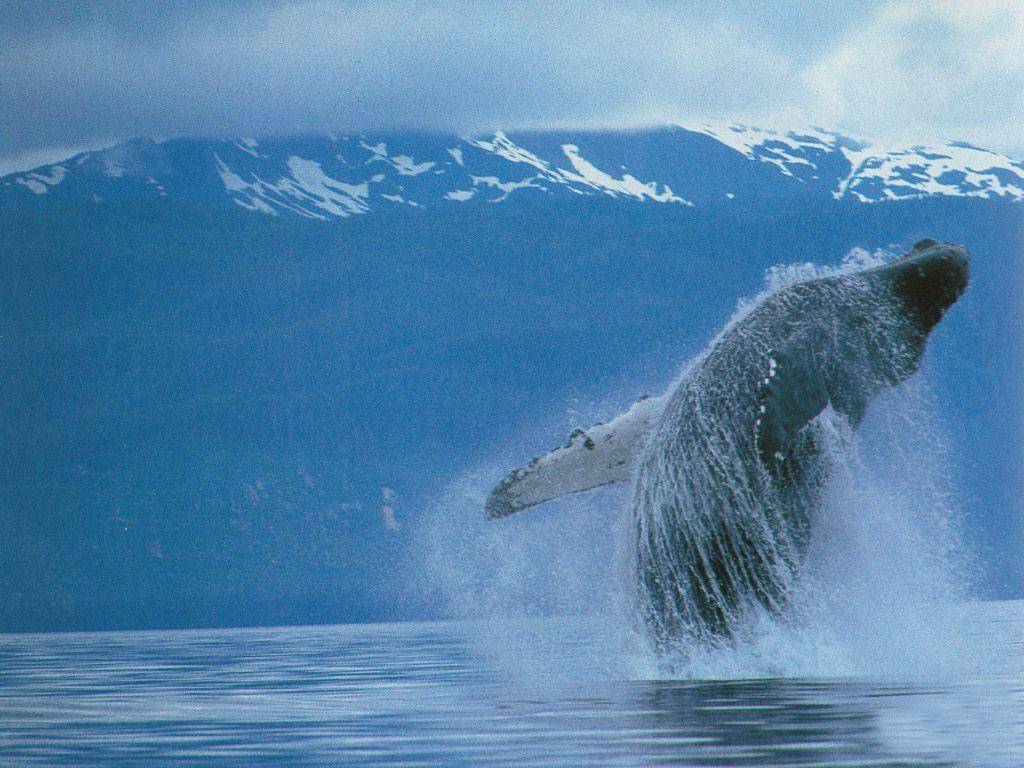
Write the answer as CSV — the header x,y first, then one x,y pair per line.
x,y
434,694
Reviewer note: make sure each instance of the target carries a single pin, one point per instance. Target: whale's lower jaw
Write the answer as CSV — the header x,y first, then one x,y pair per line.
x,y
927,281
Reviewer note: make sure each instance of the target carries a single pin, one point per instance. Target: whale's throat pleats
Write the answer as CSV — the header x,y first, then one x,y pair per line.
x,y
724,493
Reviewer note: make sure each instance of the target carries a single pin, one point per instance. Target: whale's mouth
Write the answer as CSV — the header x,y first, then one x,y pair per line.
x,y
929,280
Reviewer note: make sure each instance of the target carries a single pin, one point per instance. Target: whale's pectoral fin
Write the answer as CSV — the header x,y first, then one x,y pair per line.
x,y
792,392
850,399
603,454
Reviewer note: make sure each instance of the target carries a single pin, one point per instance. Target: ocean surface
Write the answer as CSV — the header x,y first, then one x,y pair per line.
x,y
538,692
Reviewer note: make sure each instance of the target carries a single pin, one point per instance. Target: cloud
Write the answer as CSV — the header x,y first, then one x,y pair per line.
x,y
318,65
33,158
96,71
927,69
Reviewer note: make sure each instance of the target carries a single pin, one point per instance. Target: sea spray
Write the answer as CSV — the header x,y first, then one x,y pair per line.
x,y
533,582
733,474
881,588
884,546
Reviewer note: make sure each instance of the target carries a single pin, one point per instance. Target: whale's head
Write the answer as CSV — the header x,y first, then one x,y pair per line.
x,y
883,340
927,281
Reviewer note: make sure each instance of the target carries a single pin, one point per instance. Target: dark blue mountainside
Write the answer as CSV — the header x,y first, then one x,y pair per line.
x,y
341,176
234,371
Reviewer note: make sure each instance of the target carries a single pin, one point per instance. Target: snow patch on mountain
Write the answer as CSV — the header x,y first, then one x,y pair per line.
x,y
250,146
879,172
400,199
508,187
40,182
404,164
308,191
502,146
783,150
340,176
249,195
113,168
328,194
953,169
35,186
588,173
744,139
584,173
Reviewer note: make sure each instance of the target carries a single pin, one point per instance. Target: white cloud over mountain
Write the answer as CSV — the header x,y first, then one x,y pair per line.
x,y
926,66
924,69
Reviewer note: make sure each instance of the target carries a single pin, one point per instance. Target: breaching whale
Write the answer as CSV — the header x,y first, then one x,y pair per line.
x,y
728,466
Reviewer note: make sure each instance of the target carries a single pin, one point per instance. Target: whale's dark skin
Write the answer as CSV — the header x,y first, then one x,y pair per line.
x,y
728,467
732,472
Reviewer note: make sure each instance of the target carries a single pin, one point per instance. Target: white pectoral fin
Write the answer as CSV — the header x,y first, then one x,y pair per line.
x,y
603,454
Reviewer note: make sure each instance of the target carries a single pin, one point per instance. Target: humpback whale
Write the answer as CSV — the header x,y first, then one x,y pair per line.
x,y
729,465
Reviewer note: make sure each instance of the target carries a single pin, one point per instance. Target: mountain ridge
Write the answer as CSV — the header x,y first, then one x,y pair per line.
x,y
339,176
217,415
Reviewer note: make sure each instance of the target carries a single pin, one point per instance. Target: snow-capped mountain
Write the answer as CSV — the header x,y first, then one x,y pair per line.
x,y
233,380
341,176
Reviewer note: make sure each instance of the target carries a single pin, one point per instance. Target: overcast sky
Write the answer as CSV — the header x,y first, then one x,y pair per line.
x,y
79,74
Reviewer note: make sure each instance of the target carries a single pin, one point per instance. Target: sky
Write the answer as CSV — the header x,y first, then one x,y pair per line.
x,y
89,73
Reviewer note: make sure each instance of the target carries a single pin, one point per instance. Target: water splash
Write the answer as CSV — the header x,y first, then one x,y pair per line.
x,y
885,550
885,572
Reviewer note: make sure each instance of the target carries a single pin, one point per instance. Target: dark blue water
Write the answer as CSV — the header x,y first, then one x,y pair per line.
x,y
537,693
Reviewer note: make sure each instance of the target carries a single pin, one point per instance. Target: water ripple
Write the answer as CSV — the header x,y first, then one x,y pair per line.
x,y
430,695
